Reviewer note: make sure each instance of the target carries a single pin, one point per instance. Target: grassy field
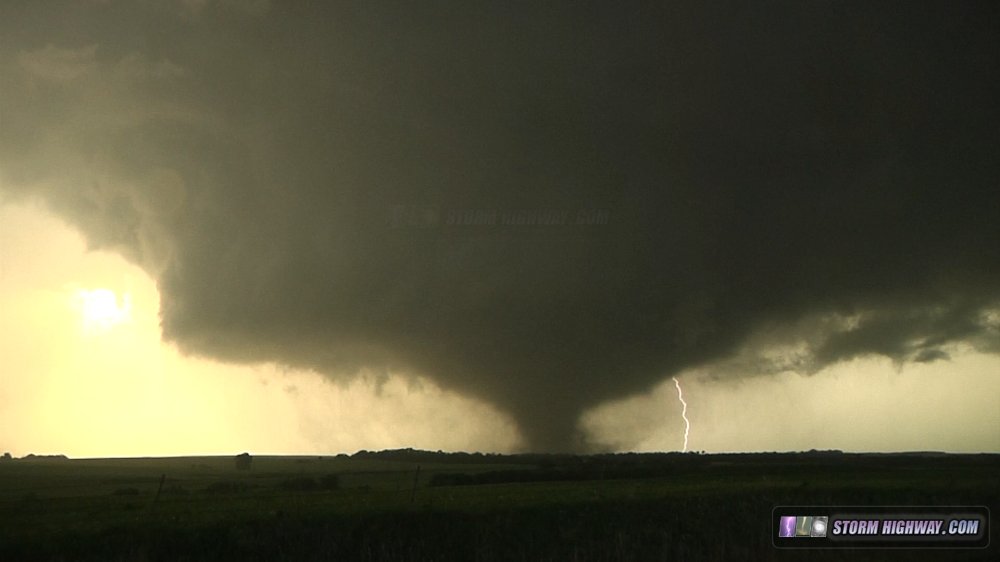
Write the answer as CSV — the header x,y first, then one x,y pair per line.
x,y
381,506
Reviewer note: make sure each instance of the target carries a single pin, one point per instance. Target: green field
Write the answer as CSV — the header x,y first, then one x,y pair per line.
x,y
381,506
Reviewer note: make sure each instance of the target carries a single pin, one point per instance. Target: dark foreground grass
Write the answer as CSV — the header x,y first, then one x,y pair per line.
x,y
701,511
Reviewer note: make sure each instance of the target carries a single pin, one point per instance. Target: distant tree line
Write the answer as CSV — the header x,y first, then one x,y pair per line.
x,y
243,461
34,457
418,456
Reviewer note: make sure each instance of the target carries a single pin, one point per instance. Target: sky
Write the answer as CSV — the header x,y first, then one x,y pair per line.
x,y
230,226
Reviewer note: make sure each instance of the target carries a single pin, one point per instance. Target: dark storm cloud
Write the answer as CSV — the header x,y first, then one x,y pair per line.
x,y
756,165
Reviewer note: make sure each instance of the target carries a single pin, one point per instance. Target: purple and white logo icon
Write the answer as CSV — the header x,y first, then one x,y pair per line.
x,y
787,526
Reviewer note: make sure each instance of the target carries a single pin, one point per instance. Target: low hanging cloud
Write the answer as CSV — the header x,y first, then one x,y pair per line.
x,y
543,206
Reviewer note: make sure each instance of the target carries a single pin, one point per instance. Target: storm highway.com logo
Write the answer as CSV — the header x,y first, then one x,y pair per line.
x,y
802,526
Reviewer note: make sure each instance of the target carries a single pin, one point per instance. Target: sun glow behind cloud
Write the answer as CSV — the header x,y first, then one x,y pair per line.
x,y
83,372
101,309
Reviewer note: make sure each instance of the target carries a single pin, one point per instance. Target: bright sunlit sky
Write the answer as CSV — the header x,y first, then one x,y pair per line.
x,y
83,375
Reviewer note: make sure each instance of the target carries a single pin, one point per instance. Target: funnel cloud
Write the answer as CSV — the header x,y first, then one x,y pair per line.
x,y
545,206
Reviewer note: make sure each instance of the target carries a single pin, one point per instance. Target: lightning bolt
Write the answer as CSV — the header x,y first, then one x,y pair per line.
x,y
684,411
